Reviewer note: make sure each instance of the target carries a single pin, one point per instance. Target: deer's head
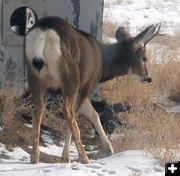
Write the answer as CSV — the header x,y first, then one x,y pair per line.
x,y
137,51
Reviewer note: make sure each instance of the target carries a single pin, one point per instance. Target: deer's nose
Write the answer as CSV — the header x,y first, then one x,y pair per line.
x,y
147,80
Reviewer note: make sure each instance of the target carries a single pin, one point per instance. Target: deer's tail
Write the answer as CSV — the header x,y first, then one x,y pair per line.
x,y
34,46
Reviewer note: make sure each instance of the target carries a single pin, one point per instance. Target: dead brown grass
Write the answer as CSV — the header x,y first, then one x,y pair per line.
x,y
109,29
172,42
7,106
108,4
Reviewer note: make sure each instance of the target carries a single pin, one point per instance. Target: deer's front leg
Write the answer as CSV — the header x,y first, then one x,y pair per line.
x,y
88,110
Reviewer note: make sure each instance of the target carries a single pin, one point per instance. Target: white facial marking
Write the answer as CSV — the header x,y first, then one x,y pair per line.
x,y
134,76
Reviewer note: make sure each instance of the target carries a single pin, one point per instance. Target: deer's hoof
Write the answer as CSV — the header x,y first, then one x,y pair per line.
x,y
85,160
66,159
109,150
34,160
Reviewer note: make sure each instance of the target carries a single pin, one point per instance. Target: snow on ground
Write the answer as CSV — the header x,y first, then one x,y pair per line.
x,y
137,14
50,148
125,163
16,154
1,129
28,125
168,105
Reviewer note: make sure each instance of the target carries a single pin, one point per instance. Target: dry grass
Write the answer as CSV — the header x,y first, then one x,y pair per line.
x,y
171,41
108,4
109,29
152,129
7,106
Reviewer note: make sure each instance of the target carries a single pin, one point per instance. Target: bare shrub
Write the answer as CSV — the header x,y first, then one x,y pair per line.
x,y
171,41
109,29
166,73
7,106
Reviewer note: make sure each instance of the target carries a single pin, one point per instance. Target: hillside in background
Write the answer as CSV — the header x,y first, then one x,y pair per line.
x,y
137,14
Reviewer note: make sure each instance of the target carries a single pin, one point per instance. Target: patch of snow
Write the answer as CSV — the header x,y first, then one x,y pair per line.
x,y
46,137
1,129
17,153
175,109
168,105
124,163
28,125
111,40
53,149
3,149
116,135
135,15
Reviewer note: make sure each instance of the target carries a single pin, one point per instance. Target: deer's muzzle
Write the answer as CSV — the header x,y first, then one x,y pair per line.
x,y
147,80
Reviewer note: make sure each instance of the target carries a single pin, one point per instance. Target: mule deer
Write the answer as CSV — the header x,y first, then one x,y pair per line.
x,y
59,56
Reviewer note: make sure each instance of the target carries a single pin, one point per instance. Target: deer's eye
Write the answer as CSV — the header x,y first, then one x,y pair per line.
x,y
144,59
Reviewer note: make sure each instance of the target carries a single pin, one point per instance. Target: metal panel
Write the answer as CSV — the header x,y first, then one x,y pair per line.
x,y
3,53
15,63
1,21
83,14
91,17
12,66
63,8
9,6
86,15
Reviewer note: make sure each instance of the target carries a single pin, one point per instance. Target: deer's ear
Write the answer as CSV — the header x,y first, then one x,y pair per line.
x,y
121,33
147,35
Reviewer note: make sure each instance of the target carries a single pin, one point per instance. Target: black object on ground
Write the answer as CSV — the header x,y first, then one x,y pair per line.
x,y
108,116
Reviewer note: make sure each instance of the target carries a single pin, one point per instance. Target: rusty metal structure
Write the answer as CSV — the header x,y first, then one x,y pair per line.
x,y
17,16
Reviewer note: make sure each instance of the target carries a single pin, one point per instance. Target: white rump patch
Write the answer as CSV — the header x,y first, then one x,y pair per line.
x,y
45,45
42,44
35,43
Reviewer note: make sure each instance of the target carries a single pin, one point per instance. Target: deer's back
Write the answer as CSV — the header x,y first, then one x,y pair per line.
x,y
60,46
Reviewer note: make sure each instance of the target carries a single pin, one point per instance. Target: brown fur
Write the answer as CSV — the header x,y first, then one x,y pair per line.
x,y
82,62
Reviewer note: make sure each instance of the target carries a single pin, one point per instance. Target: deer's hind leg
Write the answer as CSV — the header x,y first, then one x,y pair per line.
x,y
66,149
37,89
69,113
70,80
87,110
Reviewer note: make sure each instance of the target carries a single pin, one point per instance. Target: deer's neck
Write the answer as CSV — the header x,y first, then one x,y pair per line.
x,y
114,60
